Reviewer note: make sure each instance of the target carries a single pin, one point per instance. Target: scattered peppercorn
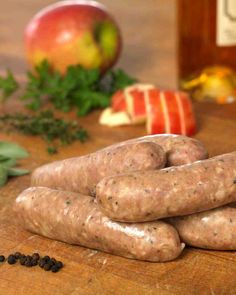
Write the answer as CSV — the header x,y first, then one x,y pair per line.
x,y
11,259
45,262
34,262
55,268
47,267
22,260
59,264
50,262
46,258
53,260
17,255
28,263
42,263
36,256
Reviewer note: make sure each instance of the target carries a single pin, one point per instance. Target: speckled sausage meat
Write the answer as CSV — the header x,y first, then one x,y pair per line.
x,y
213,229
76,219
180,149
81,174
173,191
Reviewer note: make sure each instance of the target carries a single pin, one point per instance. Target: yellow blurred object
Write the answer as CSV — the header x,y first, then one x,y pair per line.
x,y
214,84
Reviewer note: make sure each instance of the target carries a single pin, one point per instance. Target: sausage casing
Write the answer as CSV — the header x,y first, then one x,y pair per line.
x,y
81,174
76,219
212,229
174,191
179,149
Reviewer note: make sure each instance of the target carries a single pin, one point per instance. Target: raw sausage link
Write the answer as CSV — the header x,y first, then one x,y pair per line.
x,y
76,219
213,229
81,174
180,149
173,191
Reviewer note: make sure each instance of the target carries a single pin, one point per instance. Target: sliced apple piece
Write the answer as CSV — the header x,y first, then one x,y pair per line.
x,y
118,102
135,100
112,119
155,114
170,112
189,120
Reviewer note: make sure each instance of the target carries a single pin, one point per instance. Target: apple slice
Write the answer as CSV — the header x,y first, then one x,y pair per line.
x,y
188,122
132,100
155,114
170,112
112,119
135,100
118,102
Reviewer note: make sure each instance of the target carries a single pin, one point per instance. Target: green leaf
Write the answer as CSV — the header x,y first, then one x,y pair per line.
x,y
3,175
12,150
3,158
53,130
7,162
51,150
17,172
87,100
78,87
122,80
8,85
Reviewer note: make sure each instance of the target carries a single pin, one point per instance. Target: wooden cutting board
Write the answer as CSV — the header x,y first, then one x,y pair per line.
x,y
148,28
90,272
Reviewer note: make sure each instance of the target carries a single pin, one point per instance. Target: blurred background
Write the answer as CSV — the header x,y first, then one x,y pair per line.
x,y
149,36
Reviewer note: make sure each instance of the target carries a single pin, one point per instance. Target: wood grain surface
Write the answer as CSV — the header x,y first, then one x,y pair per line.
x,y
148,28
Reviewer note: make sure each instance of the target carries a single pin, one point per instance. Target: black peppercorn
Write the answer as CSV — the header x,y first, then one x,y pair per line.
x,y
22,260
53,260
2,258
17,255
35,256
47,267
11,259
34,262
46,258
28,263
59,264
50,262
42,263
55,268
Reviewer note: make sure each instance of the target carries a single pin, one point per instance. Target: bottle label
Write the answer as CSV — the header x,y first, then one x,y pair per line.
x,y
226,23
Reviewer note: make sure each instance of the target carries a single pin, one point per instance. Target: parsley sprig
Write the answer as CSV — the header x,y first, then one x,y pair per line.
x,y
79,88
8,85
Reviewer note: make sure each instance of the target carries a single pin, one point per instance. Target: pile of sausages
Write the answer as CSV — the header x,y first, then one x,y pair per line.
x,y
123,200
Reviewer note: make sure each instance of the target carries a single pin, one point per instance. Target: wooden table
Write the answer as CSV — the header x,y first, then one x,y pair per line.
x,y
148,54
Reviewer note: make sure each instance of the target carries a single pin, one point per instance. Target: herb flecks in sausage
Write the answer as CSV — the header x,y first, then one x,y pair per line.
x,y
85,225
212,229
183,190
82,174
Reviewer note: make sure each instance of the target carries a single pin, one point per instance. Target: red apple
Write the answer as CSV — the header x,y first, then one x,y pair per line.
x,y
73,32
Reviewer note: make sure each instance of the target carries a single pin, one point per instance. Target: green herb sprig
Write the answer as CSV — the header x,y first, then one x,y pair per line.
x,y
8,85
9,154
79,88
45,125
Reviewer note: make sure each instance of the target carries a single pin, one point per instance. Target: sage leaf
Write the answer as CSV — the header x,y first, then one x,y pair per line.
x,y
12,150
7,162
17,172
3,175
